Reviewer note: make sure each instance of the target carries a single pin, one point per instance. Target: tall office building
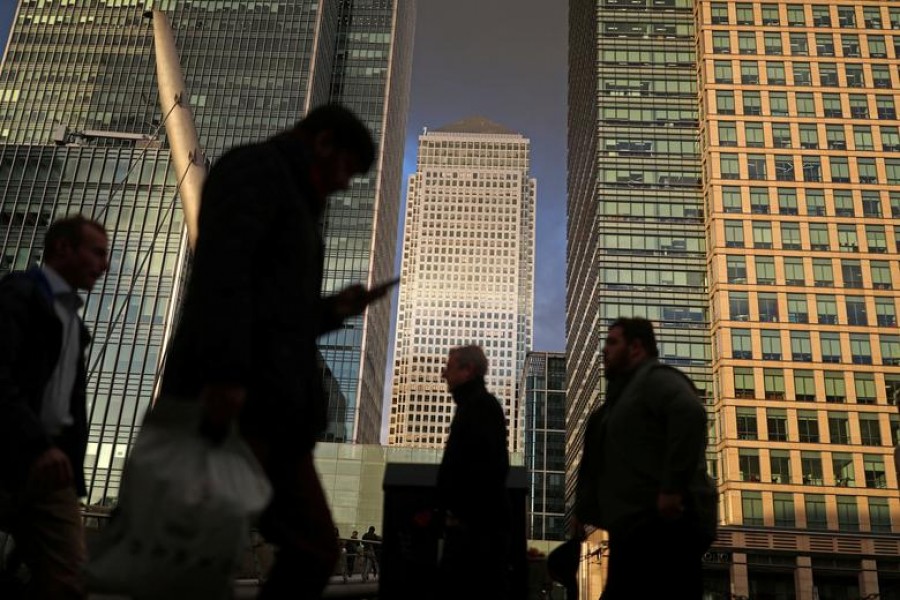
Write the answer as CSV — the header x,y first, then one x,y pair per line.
x,y
543,391
467,274
81,131
800,174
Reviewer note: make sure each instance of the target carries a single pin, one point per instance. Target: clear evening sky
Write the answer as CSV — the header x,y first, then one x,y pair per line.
x,y
504,60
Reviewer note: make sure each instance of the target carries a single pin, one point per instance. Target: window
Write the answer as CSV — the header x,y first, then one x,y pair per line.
x,y
746,423
815,203
736,267
796,15
892,388
831,347
818,237
765,270
734,234
768,307
856,310
790,236
797,309
885,107
744,387
839,433
894,198
809,136
892,167
826,307
784,510
748,462
872,17
811,467
885,313
772,43
843,203
721,42
846,17
812,168
828,75
850,45
762,234
860,349
864,383
744,12
869,429
722,71
776,424
754,135
731,199
835,387
727,133
808,426
799,44
751,506
876,239
770,14
773,380
834,136
821,16
881,76
879,515
824,44
873,471
739,305
725,103
804,384
862,137
771,344
859,106
778,104
787,201
815,512
781,138
871,204
801,348
719,12
842,468
728,163
752,103
741,346
847,240
793,271
854,75
746,42
784,164
840,169
749,72
867,171
852,273
890,349
877,47
806,106
823,274
847,513
890,139
832,105
881,274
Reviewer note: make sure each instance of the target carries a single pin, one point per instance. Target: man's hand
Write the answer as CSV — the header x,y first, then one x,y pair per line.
x,y
221,404
353,300
670,505
51,470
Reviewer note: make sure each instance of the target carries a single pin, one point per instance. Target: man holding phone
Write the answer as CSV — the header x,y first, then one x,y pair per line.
x,y
245,347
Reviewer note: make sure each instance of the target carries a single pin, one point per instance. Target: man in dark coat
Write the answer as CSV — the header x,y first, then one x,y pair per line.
x,y
471,485
643,476
246,342
43,420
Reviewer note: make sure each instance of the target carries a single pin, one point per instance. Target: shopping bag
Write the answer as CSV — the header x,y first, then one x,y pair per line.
x,y
185,511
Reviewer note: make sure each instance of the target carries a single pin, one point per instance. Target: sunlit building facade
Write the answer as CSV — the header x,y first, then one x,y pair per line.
x,y
81,131
467,274
798,184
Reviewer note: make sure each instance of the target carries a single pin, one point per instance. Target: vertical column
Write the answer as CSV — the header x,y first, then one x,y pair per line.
x,y
803,578
868,579
740,583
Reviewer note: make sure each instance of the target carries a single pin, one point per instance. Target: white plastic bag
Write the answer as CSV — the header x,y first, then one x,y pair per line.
x,y
184,513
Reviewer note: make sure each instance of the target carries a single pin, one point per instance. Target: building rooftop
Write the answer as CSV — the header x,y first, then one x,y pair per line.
x,y
476,124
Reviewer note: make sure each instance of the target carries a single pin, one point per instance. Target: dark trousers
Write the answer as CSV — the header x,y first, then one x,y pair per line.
x,y
655,559
298,522
474,565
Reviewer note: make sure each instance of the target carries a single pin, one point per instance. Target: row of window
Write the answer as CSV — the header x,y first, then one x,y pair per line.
x,y
821,74
830,105
805,429
796,15
783,511
799,44
816,237
813,202
802,343
832,385
811,472
809,136
768,309
784,167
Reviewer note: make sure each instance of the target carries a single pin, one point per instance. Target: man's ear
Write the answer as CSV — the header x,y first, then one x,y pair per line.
x,y
323,145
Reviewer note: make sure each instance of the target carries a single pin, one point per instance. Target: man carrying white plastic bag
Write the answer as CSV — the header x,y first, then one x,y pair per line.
x,y
245,352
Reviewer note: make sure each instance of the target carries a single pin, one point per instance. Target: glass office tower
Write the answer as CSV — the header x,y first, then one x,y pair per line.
x,y
799,177
81,131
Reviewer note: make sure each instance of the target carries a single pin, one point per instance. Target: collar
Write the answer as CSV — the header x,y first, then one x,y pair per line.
x,y
58,285
464,391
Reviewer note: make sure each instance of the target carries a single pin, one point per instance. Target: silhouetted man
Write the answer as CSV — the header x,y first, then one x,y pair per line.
x,y
471,485
642,476
246,343
372,552
43,416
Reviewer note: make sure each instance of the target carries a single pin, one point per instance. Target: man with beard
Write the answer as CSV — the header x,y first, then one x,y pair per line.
x,y
642,476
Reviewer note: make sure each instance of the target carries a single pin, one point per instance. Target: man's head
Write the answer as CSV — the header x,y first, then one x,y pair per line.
x,y
371,529
628,343
340,144
77,248
464,364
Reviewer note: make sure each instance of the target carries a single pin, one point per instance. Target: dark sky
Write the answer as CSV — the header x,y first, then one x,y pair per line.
x,y
504,60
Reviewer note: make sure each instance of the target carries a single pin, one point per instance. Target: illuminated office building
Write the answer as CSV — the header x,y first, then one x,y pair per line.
x,y
467,274
799,172
81,131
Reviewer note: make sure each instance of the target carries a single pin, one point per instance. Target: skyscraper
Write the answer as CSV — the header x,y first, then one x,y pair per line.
x,y
799,187
467,274
81,131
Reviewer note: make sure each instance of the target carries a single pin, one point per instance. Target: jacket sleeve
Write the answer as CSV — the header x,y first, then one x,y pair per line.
x,y
685,419
587,504
20,428
236,214
330,320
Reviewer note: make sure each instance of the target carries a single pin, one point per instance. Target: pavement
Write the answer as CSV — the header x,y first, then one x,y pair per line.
x,y
247,589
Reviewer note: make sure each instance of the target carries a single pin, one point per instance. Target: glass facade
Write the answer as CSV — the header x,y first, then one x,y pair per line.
x,y
81,131
544,389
